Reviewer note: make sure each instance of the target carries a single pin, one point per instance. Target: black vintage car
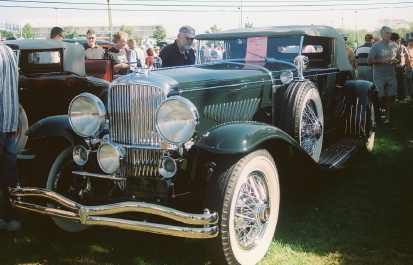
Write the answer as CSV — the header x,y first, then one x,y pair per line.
x,y
199,151
52,73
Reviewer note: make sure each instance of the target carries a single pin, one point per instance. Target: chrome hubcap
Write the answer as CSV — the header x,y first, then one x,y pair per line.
x,y
252,211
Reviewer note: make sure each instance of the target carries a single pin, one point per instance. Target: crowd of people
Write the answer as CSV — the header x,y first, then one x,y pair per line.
x,y
386,62
127,56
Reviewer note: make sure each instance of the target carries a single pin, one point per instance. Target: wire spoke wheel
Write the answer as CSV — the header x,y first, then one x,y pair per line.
x,y
251,211
246,194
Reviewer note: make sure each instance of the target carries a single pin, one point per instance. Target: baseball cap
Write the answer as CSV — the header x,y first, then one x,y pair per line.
x,y
344,36
368,37
188,30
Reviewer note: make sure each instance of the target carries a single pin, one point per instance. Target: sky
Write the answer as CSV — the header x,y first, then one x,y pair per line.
x,y
202,15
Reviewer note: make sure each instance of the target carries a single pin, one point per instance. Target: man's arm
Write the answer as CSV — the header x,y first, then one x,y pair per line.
x,y
372,60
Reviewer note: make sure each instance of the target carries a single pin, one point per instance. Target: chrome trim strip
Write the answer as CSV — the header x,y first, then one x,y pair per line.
x,y
241,84
94,175
89,215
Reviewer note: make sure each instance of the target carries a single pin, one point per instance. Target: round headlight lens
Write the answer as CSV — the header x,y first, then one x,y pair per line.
x,y
176,120
109,157
87,114
80,155
286,77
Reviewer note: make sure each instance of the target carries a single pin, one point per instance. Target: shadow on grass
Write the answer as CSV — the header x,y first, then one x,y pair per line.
x,y
98,245
362,213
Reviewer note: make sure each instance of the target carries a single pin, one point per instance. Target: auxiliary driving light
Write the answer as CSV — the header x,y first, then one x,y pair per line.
x,y
80,155
109,157
167,167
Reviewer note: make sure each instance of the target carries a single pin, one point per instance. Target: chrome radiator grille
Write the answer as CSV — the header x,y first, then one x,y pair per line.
x,y
140,162
132,122
132,114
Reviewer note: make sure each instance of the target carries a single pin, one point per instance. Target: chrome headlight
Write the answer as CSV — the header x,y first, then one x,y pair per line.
x,y
109,157
176,120
80,155
286,77
87,114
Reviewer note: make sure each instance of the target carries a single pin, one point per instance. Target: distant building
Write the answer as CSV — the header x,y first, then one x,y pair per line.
x,y
145,31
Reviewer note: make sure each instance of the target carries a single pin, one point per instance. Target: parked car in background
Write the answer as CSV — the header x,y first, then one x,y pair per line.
x,y
198,151
52,73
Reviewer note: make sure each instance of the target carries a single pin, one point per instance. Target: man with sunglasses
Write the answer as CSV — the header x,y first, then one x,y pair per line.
x,y
180,52
92,50
57,33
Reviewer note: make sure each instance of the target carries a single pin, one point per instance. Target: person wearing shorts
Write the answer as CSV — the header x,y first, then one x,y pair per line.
x,y
384,56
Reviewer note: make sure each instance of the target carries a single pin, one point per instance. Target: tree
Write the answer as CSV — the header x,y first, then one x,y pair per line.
x,y
5,34
138,38
127,30
28,31
248,25
214,28
71,33
159,34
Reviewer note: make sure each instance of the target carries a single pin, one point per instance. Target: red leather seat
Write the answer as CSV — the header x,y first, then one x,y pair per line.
x,y
100,68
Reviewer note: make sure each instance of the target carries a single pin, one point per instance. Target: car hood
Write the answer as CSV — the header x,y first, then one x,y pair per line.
x,y
187,78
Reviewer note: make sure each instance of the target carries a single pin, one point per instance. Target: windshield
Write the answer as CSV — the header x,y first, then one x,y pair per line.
x,y
249,49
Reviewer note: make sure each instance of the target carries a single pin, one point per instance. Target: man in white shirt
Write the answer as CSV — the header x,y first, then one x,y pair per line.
x,y
136,55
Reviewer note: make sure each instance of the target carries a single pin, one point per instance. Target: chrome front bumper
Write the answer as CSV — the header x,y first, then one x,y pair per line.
x,y
95,215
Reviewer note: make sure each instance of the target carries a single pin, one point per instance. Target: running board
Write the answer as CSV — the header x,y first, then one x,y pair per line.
x,y
336,154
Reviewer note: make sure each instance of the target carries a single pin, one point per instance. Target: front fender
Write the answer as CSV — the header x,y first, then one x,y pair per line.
x,y
241,137
53,126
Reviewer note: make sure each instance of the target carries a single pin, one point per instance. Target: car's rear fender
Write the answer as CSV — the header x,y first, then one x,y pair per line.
x,y
357,96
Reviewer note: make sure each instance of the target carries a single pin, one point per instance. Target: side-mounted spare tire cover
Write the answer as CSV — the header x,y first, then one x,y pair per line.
x,y
301,116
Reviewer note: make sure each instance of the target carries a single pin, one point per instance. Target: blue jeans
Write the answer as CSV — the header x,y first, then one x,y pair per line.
x,y
8,172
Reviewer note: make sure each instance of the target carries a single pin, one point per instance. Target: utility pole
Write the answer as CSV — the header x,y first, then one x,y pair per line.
x,y
241,14
110,22
357,43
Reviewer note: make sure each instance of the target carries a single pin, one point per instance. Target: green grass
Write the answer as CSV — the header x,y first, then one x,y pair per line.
x,y
361,214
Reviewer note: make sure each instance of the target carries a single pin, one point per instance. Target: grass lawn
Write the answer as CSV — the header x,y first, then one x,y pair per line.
x,y
361,214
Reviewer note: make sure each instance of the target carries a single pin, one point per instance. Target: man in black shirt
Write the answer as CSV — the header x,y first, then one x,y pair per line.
x,y
119,53
180,52
92,50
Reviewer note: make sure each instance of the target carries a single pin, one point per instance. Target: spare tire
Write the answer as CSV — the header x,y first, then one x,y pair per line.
x,y
301,116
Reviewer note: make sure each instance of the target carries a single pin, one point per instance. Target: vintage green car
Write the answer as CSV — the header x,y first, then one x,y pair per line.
x,y
199,151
